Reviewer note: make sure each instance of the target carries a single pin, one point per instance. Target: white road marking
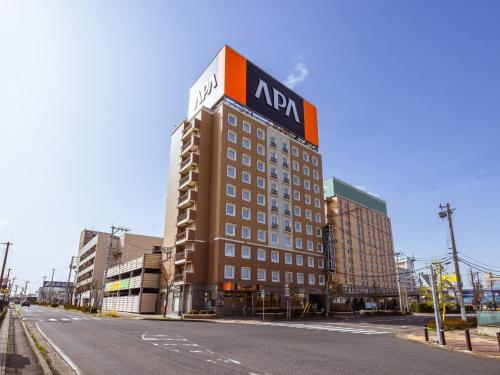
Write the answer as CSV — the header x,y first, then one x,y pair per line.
x,y
65,319
60,352
75,318
196,351
232,360
53,320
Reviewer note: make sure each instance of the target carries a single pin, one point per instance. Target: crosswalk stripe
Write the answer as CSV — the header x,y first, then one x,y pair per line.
x,y
320,327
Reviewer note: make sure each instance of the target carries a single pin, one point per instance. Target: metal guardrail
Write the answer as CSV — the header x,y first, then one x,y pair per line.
x,y
488,318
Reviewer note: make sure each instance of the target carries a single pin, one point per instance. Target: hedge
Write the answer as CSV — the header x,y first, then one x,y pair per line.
x,y
452,324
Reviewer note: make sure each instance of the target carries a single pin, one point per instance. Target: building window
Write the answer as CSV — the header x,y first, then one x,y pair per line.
x,y
307,185
288,258
246,213
274,172
307,199
300,278
317,203
261,166
246,195
319,232
232,137
310,245
287,241
272,141
296,195
321,279
246,233
245,273
229,250
246,177
315,175
246,253
295,151
261,183
296,180
317,217
275,256
315,161
296,211
295,166
305,156
316,188
319,247
321,263
298,243
288,276
247,143
275,239
298,226
299,260
230,229
306,170
312,279
230,209
261,199
231,119
260,134
309,229
246,127
261,150
308,214
261,274
231,171
310,262
231,153
230,190
246,160
275,276
261,217
229,272
261,235
261,255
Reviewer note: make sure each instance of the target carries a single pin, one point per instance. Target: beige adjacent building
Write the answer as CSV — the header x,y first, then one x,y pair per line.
x,y
91,260
359,238
244,219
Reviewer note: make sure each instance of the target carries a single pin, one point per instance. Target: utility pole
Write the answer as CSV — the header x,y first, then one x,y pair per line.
x,y
15,292
492,291
50,286
25,291
7,286
446,211
68,297
112,235
43,289
436,307
7,245
399,282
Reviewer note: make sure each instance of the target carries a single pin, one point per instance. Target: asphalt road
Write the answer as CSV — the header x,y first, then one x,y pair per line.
x,y
367,346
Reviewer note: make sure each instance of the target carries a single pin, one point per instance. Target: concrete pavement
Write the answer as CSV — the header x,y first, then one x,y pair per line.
x,y
118,346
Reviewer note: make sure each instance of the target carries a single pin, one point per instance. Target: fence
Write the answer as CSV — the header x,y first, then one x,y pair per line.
x,y
488,318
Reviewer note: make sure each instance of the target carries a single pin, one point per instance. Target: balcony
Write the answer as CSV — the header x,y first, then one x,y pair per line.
x,y
189,180
187,199
288,229
286,165
286,180
192,144
191,128
274,175
180,257
286,196
275,225
274,208
284,150
185,235
273,159
186,217
274,192
287,212
273,144
190,163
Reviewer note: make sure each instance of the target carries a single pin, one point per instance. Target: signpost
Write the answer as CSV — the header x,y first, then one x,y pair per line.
x,y
287,296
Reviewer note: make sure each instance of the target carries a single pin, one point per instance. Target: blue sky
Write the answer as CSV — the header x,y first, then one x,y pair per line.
x,y
407,96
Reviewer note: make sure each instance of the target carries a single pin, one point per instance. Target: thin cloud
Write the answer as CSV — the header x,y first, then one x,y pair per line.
x,y
298,74
4,222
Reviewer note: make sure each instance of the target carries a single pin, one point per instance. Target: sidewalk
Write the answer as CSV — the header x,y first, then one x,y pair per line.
x,y
485,346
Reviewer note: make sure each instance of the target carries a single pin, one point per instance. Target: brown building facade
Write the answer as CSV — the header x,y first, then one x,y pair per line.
x,y
362,250
244,219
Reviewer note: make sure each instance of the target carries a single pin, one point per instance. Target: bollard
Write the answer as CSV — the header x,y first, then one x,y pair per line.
x,y
498,339
443,339
467,339
426,334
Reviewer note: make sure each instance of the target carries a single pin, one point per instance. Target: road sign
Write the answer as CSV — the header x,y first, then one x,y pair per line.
x,y
287,290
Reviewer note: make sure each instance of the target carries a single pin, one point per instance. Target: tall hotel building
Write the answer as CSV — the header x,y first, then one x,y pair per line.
x,y
361,247
244,219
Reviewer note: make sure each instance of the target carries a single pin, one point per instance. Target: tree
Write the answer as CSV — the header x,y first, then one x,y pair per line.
x,y
166,283
477,288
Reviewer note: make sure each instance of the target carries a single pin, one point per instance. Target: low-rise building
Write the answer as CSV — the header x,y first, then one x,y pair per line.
x,y
92,253
133,286
54,291
359,244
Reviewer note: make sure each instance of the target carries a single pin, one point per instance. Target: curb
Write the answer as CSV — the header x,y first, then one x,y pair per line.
x,y
4,338
445,347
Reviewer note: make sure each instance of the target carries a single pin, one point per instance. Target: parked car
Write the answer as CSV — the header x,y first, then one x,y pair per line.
x,y
25,303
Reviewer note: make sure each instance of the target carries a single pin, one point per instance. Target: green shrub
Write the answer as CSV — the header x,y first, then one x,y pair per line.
x,y
193,312
54,305
452,324
421,307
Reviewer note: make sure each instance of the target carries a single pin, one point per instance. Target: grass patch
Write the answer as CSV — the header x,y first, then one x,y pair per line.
x,y
111,314
39,346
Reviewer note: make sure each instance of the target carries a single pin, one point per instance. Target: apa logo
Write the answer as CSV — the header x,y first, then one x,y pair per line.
x,y
205,91
279,100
